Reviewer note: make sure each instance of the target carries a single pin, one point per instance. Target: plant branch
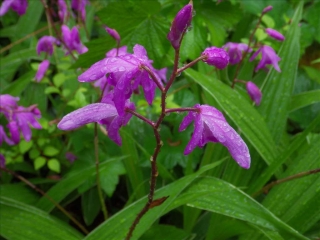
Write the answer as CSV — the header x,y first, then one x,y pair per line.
x,y
266,188
146,120
57,205
154,78
185,109
245,53
190,64
97,163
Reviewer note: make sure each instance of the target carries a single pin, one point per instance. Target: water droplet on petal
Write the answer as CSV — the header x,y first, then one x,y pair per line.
x,y
113,60
121,69
93,77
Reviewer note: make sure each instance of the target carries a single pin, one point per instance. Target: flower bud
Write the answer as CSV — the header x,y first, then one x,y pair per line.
x,y
274,34
113,33
43,67
267,9
217,57
254,92
179,25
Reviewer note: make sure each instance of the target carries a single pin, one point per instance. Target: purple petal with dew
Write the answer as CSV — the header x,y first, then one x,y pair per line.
x,y
187,120
14,131
140,51
113,52
6,100
4,137
122,92
42,69
5,6
113,130
196,135
88,114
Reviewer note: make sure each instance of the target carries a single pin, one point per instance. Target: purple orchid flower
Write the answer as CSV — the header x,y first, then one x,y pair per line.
x,y
104,113
80,6
43,67
211,126
19,6
8,101
236,50
269,56
45,44
63,10
24,118
4,137
72,39
275,34
113,33
180,24
254,92
127,74
217,57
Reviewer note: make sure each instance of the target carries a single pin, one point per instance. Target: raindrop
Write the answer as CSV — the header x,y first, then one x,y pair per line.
x,y
122,68
114,69
93,77
113,60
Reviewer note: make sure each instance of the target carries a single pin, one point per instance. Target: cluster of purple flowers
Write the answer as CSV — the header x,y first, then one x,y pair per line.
x,y
236,52
121,73
19,6
19,119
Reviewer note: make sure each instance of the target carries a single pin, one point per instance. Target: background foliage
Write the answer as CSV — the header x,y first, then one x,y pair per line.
x,y
210,197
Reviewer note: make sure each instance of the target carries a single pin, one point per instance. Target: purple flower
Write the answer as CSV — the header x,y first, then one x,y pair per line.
x,y
267,9
70,156
43,67
235,51
126,74
269,56
274,34
104,113
180,25
211,126
4,137
254,92
63,10
14,131
113,52
8,101
19,6
24,118
217,57
72,39
80,6
45,44
113,33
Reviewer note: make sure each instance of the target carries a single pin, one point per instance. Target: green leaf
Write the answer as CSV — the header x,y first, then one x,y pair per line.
x,y
160,232
90,205
304,99
32,223
50,151
34,153
243,114
24,146
39,162
113,228
69,183
18,86
19,192
51,89
313,73
218,196
278,87
59,79
54,165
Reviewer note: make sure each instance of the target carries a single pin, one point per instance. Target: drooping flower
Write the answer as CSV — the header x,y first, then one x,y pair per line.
x,y
103,113
217,57
26,117
180,24
236,50
269,56
19,6
45,44
42,69
275,34
267,9
20,118
254,92
126,74
211,126
113,33
80,6
72,39
63,10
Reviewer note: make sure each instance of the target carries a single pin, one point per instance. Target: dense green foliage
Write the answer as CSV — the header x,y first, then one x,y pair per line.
x,y
210,196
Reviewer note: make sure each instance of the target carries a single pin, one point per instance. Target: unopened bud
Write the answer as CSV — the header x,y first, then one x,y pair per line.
x,y
274,34
217,57
254,92
180,24
267,9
